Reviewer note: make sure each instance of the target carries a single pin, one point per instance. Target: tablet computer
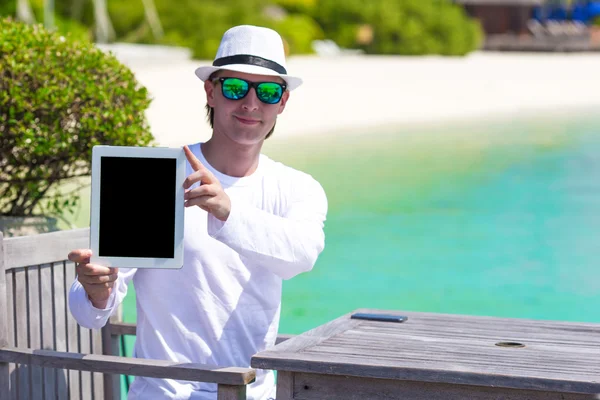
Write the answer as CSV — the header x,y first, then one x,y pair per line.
x,y
137,208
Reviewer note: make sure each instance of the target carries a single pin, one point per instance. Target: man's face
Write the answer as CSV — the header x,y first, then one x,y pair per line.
x,y
246,121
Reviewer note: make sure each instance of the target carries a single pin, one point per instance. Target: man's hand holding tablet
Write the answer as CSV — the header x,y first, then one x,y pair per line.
x,y
97,280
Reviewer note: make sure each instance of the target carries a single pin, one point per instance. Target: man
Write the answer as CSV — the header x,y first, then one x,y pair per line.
x,y
250,222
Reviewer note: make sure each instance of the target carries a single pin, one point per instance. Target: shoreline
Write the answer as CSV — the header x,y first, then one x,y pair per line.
x,y
453,123
353,93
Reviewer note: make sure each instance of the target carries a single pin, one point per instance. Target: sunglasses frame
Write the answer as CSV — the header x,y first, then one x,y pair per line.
x,y
250,84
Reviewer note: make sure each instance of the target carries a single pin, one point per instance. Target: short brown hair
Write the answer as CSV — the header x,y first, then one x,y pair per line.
x,y
210,112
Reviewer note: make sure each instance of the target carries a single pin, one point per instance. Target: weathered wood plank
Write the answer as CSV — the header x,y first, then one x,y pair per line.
x,y
475,328
130,366
533,359
317,335
47,315
72,341
359,367
86,377
318,387
230,392
449,349
427,368
5,311
35,327
466,338
575,336
97,377
21,331
43,248
282,338
110,346
118,328
413,362
60,326
456,322
122,328
12,340
536,357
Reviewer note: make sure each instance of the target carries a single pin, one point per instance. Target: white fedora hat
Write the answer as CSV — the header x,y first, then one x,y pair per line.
x,y
253,50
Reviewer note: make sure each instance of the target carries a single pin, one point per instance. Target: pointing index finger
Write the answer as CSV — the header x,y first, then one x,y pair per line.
x,y
207,176
194,162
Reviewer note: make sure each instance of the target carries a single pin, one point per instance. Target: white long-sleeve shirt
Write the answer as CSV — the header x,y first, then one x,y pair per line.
x,y
223,305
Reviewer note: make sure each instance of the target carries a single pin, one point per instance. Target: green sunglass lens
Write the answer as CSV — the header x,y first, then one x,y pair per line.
x,y
269,92
234,89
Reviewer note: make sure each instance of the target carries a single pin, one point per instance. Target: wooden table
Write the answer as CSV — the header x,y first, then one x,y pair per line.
x,y
437,356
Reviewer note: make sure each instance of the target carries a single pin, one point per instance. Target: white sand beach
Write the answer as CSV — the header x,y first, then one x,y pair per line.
x,y
362,93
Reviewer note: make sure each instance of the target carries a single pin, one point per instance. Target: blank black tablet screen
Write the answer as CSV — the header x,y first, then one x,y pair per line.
x,y
137,207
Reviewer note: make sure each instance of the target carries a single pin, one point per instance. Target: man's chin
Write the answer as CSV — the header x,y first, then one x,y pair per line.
x,y
249,138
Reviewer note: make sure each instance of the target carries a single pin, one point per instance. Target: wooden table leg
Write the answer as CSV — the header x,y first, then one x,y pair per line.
x,y
285,385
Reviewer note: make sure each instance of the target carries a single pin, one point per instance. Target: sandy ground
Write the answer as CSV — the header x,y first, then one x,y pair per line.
x,y
363,93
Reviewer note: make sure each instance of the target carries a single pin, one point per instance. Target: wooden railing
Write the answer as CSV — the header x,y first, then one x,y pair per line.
x,y
112,333
118,328
44,350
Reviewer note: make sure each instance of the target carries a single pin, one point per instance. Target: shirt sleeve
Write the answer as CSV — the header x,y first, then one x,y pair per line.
x,y
91,317
287,245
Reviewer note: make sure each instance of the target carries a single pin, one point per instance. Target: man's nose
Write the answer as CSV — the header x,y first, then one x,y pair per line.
x,y
250,102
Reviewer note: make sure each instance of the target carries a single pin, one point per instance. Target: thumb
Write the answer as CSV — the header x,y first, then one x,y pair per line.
x,y
80,255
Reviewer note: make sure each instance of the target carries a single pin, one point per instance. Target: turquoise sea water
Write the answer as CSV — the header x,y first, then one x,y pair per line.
x,y
497,219
487,218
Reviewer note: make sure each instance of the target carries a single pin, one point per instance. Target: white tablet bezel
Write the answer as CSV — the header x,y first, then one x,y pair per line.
x,y
137,152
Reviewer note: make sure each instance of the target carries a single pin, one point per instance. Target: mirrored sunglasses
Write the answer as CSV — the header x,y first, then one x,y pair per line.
x,y
237,89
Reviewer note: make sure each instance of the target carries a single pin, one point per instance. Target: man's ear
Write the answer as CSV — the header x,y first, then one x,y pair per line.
x,y
284,99
209,88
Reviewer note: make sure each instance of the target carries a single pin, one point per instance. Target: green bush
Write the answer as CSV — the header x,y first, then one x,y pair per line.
x,y
73,28
297,6
410,27
200,25
58,99
126,16
298,31
63,24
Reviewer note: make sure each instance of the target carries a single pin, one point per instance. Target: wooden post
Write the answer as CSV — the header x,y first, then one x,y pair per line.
x,y
112,347
231,392
4,372
520,16
285,385
111,381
